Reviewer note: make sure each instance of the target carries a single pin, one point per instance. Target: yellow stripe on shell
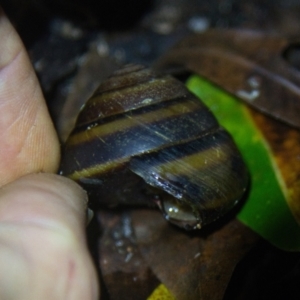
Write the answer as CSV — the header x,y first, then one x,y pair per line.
x,y
129,122
97,169
202,160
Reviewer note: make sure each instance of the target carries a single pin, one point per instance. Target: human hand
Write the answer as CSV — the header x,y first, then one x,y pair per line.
x,y
43,253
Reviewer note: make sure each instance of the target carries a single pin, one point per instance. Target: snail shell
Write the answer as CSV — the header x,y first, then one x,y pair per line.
x,y
145,139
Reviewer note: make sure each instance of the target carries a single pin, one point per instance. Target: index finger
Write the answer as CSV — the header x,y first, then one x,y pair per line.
x,y
28,141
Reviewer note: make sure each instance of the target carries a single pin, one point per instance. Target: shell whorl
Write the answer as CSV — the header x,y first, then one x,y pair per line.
x,y
143,136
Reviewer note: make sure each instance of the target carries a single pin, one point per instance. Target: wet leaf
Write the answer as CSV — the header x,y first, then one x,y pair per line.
x,y
284,142
124,272
271,151
195,265
248,64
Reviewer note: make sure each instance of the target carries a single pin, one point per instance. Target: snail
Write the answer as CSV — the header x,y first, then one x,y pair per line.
x,y
144,139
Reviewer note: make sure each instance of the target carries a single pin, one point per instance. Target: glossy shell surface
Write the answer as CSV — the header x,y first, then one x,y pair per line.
x,y
144,139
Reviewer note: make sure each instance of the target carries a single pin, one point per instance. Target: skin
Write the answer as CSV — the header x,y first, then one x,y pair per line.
x,y
43,253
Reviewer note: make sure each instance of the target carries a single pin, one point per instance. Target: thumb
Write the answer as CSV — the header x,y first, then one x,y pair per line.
x,y
43,254
29,142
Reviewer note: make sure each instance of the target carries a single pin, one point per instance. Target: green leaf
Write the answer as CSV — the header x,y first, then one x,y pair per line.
x,y
265,210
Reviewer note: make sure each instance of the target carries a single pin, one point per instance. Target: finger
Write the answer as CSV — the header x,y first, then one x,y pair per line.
x,y
42,243
28,139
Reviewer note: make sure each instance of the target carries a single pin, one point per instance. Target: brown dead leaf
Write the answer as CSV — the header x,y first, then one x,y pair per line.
x,y
93,70
124,272
195,265
246,63
284,143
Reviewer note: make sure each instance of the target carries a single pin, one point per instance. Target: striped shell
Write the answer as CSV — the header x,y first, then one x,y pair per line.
x,y
144,139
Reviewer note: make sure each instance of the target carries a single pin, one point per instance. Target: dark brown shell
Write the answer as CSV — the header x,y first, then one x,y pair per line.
x,y
145,139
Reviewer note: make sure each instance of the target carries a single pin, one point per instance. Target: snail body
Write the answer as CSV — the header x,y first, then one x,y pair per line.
x,y
145,139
